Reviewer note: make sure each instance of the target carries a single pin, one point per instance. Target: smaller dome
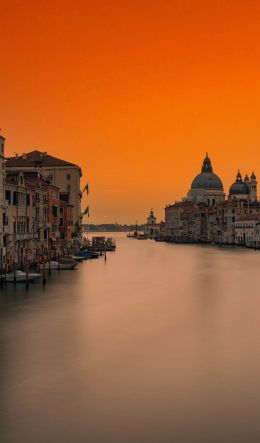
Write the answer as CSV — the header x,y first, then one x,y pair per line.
x,y
239,187
253,177
246,179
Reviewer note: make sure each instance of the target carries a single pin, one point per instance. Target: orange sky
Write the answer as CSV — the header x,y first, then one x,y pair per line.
x,y
134,91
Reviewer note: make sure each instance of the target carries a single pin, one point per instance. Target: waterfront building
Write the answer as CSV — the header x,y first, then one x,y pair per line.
x,y
28,227
20,217
178,220
206,215
37,216
36,220
64,175
152,229
247,231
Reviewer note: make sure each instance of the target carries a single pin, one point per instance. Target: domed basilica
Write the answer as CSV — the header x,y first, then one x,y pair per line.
x,y
208,188
206,215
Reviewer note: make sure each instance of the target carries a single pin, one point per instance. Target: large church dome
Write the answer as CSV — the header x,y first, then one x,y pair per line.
x,y
207,179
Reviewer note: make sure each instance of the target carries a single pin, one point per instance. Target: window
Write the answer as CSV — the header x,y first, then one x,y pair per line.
x,y
28,199
54,211
61,222
61,210
8,196
15,198
5,219
68,176
68,188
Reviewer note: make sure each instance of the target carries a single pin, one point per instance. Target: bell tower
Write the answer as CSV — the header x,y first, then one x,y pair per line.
x,y
151,220
253,187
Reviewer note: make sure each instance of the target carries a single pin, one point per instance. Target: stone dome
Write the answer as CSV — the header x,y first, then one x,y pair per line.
x,y
207,179
239,187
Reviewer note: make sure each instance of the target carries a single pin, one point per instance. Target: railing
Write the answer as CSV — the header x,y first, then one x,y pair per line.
x,y
26,236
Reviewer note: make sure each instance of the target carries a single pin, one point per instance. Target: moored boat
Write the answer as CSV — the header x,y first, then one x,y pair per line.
x,y
62,264
20,276
86,255
77,258
142,237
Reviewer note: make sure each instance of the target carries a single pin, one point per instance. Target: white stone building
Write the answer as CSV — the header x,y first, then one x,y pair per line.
x,y
152,229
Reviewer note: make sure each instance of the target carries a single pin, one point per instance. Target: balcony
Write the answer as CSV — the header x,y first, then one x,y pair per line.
x,y
27,236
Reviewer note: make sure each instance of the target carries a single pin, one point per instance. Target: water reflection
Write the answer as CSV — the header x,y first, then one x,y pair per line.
x,y
158,344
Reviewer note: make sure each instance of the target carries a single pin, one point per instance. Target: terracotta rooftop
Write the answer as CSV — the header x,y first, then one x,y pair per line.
x,y
36,159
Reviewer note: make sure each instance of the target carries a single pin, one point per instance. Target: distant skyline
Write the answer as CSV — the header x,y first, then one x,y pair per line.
x,y
134,92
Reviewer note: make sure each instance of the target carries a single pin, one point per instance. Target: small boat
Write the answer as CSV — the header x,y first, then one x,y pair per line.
x,y
142,237
20,276
63,264
77,258
94,254
134,235
86,255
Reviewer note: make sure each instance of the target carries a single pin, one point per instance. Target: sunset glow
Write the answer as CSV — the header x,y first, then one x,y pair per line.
x,y
135,92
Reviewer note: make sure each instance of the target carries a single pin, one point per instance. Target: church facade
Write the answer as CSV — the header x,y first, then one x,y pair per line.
x,y
152,229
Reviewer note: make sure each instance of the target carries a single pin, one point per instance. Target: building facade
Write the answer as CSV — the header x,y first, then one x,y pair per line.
x,y
64,175
37,218
152,229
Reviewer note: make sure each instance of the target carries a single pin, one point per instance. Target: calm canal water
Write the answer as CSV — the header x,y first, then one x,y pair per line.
x,y
160,344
